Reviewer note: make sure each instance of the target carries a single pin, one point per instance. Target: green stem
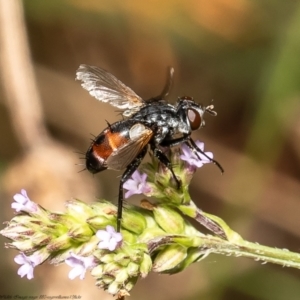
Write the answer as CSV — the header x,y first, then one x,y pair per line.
x,y
258,252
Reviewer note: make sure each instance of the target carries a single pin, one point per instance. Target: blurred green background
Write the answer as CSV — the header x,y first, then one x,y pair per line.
x,y
244,55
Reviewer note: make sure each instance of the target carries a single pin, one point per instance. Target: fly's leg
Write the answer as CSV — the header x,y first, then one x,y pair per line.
x,y
192,145
164,160
126,175
175,142
200,217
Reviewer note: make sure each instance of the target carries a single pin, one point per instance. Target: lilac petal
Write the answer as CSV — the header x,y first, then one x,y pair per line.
x,y
71,261
77,271
193,159
19,259
130,184
80,264
28,264
23,203
109,238
20,198
136,176
26,270
131,187
102,234
200,145
118,237
185,149
137,184
128,194
104,245
17,206
112,245
110,229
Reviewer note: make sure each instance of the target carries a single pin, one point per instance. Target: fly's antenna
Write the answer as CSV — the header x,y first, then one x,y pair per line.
x,y
210,110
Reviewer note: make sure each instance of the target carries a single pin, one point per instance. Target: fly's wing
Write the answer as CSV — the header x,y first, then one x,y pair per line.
x,y
107,88
139,137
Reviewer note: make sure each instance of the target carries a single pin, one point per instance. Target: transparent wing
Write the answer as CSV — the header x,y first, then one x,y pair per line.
x,y
124,155
107,88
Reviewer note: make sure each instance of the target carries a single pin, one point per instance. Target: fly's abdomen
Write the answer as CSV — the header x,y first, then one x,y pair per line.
x,y
105,144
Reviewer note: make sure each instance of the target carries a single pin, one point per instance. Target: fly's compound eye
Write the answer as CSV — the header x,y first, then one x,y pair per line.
x,y
194,118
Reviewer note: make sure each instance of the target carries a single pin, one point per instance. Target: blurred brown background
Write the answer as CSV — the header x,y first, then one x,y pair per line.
x,y
242,54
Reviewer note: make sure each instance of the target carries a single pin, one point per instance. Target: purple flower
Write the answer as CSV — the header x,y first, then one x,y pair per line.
x,y
28,262
110,239
191,158
23,203
137,184
80,264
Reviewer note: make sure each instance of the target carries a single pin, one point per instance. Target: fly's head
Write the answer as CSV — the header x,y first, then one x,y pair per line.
x,y
192,113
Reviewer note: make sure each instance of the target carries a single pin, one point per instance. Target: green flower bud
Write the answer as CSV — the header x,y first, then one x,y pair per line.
x,y
133,221
27,220
134,252
107,279
60,243
129,285
193,255
77,208
100,284
231,235
23,246
89,247
172,196
150,234
121,276
99,222
140,247
113,288
97,271
122,258
107,258
111,268
80,232
128,237
61,223
40,239
133,269
146,265
169,219
169,258
16,231
104,208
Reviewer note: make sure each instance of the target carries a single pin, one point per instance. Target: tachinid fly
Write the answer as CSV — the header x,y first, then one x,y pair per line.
x,y
154,122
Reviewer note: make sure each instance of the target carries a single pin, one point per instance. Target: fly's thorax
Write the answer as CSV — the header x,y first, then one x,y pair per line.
x,y
163,117
183,127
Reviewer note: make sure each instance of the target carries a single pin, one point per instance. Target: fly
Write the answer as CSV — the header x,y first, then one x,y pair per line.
x,y
153,123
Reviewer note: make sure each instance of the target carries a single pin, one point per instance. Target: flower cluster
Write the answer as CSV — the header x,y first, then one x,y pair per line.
x,y
153,237
157,181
